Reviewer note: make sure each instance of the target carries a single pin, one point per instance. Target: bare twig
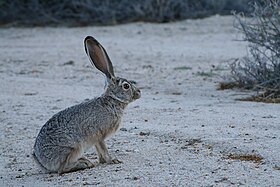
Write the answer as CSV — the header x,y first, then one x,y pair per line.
x,y
261,68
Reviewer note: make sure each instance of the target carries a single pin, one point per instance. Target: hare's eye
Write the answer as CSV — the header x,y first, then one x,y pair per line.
x,y
126,86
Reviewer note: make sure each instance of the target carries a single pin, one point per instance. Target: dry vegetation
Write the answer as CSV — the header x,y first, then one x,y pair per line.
x,y
104,12
246,157
260,69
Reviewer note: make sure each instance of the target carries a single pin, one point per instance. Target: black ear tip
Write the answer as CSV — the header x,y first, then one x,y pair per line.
x,y
90,38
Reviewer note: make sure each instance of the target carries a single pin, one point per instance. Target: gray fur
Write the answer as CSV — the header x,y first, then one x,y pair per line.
x,y
61,142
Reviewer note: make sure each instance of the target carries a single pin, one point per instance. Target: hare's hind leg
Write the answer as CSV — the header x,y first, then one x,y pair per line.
x,y
74,163
103,154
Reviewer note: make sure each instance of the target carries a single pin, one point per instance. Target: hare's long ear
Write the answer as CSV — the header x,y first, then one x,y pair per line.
x,y
99,57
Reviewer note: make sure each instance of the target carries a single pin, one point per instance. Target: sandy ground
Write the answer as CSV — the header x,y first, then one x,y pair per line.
x,y
180,133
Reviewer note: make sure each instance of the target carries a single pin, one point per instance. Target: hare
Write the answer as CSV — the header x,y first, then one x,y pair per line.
x,y
62,140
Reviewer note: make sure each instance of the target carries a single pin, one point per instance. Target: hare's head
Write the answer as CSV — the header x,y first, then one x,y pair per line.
x,y
117,88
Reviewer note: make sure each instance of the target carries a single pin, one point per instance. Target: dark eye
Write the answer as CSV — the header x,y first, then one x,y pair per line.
x,y
126,86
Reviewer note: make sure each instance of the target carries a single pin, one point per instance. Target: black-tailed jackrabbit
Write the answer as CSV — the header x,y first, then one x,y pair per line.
x,y
63,139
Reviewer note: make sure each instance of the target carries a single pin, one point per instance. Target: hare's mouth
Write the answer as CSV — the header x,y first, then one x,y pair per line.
x,y
137,95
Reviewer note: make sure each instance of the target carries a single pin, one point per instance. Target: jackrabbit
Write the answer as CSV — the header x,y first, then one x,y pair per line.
x,y
63,139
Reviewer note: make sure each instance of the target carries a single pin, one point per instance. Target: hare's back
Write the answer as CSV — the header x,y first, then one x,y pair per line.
x,y
73,124
64,127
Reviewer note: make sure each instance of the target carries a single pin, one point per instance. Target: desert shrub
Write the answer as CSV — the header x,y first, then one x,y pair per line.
x,y
260,69
104,12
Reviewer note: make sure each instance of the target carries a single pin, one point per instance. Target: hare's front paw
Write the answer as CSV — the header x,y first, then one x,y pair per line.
x,y
116,161
111,161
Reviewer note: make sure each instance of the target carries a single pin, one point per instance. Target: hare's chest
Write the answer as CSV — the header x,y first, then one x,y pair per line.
x,y
115,121
111,121
117,125
113,127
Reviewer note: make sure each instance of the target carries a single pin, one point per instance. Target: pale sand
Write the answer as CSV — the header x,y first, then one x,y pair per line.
x,y
179,133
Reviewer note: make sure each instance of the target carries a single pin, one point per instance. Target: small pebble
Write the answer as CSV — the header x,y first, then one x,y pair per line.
x,y
144,133
135,178
123,129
